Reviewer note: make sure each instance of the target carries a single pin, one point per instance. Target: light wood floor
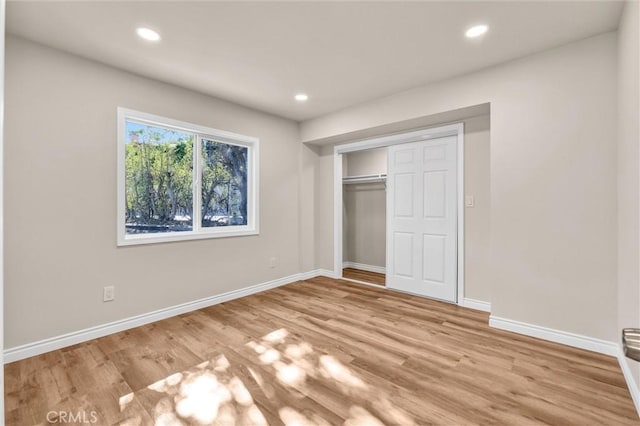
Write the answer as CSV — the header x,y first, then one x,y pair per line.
x,y
322,352
366,276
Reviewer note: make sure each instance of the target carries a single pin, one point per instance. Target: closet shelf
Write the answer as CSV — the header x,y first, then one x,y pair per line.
x,y
364,179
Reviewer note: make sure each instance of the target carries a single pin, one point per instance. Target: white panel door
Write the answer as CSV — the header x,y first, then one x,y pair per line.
x,y
422,218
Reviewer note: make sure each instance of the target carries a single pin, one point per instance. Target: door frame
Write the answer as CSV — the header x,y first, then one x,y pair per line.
x,y
456,129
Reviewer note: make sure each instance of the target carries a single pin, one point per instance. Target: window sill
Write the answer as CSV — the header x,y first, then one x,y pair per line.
x,y
132,240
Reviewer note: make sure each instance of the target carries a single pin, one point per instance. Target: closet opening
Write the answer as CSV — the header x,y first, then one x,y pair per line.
x,y
398,212
364,216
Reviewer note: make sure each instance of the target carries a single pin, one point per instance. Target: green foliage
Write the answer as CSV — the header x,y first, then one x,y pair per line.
x,y
159,178
224,184
159,181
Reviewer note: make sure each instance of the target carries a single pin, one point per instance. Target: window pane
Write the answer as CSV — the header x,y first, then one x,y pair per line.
x,y
159,177
224,184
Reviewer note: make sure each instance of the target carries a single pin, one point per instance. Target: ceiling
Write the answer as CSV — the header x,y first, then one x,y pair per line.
x,y
340,53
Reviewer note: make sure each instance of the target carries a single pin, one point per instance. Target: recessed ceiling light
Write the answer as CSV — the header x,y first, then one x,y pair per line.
x,y
476,31
301,97
148,34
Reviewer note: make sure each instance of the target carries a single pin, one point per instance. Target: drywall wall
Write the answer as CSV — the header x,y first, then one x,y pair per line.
x,y
306,208
364,209
628,173
60,194
323,200
477,219
367,162
2,345
364,219
553,177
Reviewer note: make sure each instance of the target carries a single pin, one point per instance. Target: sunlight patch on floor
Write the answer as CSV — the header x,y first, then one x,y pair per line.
x,y
269,356
201,396
205,395
211,393
292,417
124,401
332,368
294,362
392,413
361,417
290,374
276,336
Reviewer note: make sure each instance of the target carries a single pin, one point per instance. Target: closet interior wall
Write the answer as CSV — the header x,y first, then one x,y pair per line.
x,y
364,209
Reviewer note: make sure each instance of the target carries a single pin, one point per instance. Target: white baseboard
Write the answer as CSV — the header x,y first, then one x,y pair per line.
x,y
316,273
36,348
578,341
364,267
628,377
476,304
570,339
378,286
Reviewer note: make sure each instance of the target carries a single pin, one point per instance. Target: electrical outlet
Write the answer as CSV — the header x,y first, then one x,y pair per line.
x,y
273,262
108,293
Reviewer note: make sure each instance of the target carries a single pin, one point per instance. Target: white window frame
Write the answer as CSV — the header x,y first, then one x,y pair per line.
x,y
200,133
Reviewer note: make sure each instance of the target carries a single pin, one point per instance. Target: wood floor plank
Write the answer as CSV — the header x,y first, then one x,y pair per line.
x,y
322,352
366,276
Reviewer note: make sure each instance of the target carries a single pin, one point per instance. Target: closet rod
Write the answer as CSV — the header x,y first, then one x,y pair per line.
x,y
364,178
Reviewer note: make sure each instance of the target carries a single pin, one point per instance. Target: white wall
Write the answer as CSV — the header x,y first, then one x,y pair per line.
x,y
307,208
477,219
367,162
61,191
323,200
553,179
628,174
2,16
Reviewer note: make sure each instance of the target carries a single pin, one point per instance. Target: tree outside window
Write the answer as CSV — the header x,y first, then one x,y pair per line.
x,y
183,181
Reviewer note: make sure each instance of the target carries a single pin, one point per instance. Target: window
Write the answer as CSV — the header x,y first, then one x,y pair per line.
x,y
179,181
